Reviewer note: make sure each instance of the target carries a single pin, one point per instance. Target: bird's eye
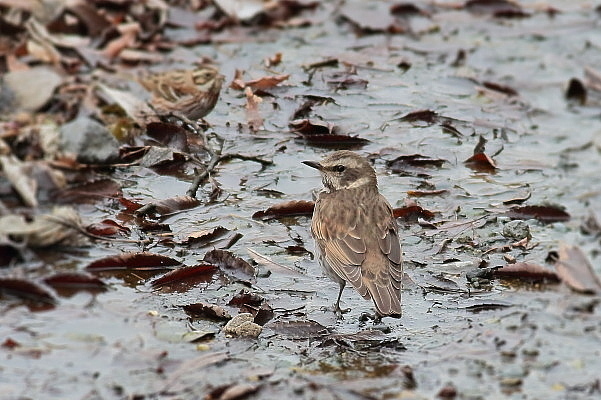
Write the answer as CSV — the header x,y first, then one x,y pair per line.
x,y
339,168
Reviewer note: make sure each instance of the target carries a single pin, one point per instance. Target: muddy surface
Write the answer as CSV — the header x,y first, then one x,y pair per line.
x,y
456,77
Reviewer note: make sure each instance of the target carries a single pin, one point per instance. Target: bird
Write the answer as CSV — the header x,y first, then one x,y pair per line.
x,y
355,232
191,93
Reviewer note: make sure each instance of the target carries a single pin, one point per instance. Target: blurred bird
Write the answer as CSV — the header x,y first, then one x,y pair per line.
x,y
189,93
356,233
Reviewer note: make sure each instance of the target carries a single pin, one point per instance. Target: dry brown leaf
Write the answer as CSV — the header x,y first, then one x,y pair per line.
x,y
62,227
18,174
574,268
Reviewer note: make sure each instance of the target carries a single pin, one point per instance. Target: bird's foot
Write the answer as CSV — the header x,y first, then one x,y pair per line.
x,y
340,312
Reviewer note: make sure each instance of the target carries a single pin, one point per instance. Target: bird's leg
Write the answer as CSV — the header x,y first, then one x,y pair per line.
x,y
339,311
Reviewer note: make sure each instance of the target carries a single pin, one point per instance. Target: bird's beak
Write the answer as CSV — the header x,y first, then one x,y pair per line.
x,y
313,164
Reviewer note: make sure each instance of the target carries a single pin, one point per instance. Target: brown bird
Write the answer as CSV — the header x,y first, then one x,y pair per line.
x,y
355,232
191,93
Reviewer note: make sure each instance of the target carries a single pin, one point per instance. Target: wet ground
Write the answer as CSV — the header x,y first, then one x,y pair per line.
x,y
498,339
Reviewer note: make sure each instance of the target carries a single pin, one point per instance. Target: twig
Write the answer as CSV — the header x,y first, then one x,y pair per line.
x,y
202,177
231,156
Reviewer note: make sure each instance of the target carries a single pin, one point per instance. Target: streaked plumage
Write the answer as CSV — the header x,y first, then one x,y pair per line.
x,y
356,233
192,93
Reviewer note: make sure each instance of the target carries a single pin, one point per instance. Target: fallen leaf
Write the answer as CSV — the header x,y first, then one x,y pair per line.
x,y
414,164
424,193
227,261
545,214
412,213
89,192
169,135
491,6
25,290
205,237
509,91
235,391
169,205
18,173
299,329
133,261
481,162
69,283
193,274
208,311
427,116
61,227
107,227
291,208
526,271
574,268
266,82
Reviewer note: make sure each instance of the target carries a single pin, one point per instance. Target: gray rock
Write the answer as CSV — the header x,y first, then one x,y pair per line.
x,y
242,325
30,89
516,230
90,141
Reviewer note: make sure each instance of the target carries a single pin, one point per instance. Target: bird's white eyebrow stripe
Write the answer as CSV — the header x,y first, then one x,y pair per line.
x,y
359,182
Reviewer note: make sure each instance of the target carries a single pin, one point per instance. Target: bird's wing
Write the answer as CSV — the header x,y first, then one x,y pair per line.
x,y
345,234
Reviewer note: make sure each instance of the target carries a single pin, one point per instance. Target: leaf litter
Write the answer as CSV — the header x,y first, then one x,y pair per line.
x,y
409,82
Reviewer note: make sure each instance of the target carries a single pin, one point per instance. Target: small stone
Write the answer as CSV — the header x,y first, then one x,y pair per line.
x,y
242,325
517,230
90,141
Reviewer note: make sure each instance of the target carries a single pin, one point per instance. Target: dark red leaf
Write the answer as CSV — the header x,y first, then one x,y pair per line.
x,y
209,311
414,164
509,91
288,209
177,203
305,127
404,9
204,238
427,116
517,200
76,280
267,82
130,154
574,268
491,6
169,135
448,392
90,192
263,315
151,226
25,290
106,227
481,162
338,141
196,273
412,213
246,298
526,271
424,193
226,260
546,214
133,261
129,205
10,344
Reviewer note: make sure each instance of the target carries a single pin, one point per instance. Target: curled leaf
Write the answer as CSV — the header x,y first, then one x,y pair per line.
x,y
288,209
133,261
